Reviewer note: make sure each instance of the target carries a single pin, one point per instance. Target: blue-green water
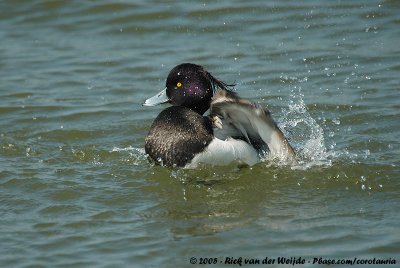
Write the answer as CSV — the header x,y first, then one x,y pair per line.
x,y
76,189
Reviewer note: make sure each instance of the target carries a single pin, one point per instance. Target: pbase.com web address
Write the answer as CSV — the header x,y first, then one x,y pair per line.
x,y
240,261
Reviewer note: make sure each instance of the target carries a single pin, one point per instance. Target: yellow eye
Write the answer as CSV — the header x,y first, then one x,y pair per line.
x,y
179,84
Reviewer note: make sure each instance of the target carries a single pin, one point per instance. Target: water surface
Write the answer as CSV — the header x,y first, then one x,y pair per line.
x,y
76,188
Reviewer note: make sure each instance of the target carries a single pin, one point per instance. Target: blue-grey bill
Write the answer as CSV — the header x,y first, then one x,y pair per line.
x,y
161,97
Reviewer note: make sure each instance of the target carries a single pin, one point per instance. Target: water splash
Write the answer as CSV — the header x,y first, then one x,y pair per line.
x,y
304,133
135,155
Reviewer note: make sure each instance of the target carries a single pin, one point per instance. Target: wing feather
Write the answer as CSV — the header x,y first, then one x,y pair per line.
x,y
253,122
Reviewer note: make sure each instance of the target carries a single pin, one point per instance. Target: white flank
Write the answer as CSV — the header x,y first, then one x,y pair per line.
x,y
222,152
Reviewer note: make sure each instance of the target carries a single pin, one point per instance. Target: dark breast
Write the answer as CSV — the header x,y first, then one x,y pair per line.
x,y
177,135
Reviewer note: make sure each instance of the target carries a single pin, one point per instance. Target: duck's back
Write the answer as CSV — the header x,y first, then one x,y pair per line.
x,y
177,135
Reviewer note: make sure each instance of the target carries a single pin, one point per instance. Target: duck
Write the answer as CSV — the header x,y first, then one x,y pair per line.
x,y
235,130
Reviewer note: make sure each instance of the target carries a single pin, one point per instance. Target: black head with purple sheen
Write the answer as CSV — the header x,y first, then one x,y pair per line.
x,y
191,86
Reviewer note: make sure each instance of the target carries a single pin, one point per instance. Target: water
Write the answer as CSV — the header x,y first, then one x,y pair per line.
x,y
76,188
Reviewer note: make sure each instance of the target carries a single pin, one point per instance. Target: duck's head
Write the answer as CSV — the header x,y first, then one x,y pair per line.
x,y
188,85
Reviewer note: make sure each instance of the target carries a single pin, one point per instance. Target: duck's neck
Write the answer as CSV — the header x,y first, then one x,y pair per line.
x,y
199,108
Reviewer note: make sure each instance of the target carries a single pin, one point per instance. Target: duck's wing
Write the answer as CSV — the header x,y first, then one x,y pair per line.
x,y
233,116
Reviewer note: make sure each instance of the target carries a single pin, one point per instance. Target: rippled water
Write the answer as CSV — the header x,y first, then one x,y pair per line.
x,y
76,188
